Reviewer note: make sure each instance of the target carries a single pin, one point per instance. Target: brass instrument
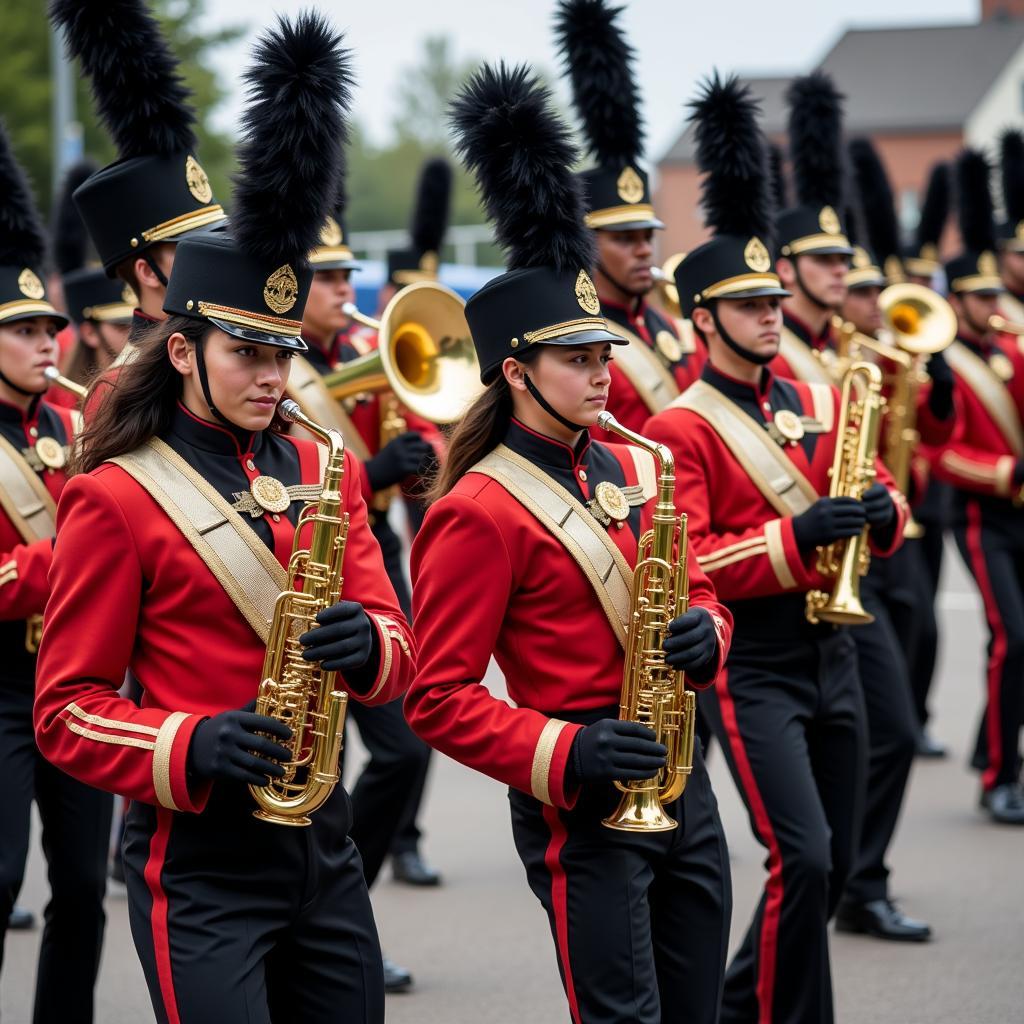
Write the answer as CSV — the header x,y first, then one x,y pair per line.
x,y
851,474
653,693
1003,326
424,355
54,376
665,284
300,693
392,425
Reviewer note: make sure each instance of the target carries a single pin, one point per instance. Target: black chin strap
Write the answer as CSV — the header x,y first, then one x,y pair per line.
x,y
204,383
160,275
743,353
807,291
979,332
547,407
22,391
622,288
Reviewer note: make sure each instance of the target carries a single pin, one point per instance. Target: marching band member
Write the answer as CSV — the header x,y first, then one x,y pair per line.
x,y
753,451
35,439
172,540
525,555
659,362
1011,231
985,464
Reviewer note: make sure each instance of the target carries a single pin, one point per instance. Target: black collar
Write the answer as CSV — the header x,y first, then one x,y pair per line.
x,y
977,345
738,390
546,451
14,414
216,438
803,331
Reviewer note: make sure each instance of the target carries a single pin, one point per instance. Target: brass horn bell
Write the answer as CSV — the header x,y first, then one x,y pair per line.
x,y
919,321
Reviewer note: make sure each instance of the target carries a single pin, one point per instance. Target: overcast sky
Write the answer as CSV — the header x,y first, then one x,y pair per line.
x,y
677,42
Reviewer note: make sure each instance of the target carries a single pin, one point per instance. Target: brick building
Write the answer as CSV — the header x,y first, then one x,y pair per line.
x,y
919,93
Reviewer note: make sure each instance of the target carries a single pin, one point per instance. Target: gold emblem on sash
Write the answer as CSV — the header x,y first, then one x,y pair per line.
x,y
789,425
52,454
197,181
630,186
270,494
756,256
30,285
829,221
1001,366
331,233
668,346
586,294
281,290
612,501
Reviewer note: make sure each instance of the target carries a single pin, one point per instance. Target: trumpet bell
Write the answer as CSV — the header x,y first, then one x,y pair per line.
x,y
665,283
919,321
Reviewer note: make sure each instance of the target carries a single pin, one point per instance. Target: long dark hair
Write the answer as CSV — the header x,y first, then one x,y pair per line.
x,y
140,403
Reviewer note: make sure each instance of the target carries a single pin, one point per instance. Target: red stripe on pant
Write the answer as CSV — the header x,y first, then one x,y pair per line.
x,y
998,656
560,902
158,915
773,886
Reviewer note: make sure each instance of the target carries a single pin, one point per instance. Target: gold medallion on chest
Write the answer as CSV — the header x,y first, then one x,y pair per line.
x,y
612,501
270,494
52,454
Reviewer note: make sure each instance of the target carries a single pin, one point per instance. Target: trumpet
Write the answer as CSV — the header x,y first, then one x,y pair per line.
x,y
54,376
1001,325
653,693
665,284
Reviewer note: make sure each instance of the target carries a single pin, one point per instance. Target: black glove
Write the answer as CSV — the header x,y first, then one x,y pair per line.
x,y
229,746
828,519
940,398
610,751
879,506
344,639
403,456
692,643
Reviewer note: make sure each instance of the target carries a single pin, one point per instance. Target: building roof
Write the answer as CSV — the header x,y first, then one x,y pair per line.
x,y
898,80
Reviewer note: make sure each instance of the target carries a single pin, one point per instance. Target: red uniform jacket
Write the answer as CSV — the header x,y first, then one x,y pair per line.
x,y
490,579
746,548
979,457
624,401
129,591
141,322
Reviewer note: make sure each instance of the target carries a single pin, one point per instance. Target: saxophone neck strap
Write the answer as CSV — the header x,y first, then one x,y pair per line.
x,y
650,377
239,561
24,497
572,525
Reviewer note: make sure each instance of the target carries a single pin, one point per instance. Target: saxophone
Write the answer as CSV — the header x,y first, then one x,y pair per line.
x,y
297,692
653,693
851,474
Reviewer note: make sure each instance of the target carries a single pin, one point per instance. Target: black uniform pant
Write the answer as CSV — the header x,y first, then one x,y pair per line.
x,y
990,535
892,726
640,921
790,718
76,832
240,921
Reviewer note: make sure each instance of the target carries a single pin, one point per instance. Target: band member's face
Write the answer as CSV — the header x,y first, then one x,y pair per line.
x,y
626,257
324,314
27,347
246,380
973,312
755,324
1013,269
925,282
861,308
823,276
107,340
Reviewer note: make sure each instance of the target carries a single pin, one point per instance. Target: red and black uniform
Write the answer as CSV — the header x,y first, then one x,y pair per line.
x,y
645,322
141,323
788,710
75,817
980,463
227,912
640,920
388,794
816,341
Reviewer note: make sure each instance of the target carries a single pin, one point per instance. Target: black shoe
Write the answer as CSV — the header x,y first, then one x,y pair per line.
x,y
882,919
929,747
1005,803
21,920
411,868
396,979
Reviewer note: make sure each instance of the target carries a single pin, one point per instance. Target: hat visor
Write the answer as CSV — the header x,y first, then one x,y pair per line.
x,y
825,250
634,225
338,264
758,292
30,310
294,344
981,290
866,282
587,337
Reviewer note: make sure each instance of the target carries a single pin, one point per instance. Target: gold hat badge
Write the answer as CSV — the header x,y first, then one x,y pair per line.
x,y
630,186
756,256
586,294
281,291
30,285
197,181
828,219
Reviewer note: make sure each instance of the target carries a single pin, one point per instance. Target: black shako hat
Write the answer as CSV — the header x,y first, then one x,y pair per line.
x,y
922,257
598,62
22,245
157,191
520,153
88,293
976,269
431,211
815,146
251,279
736,196
877,208
1010,232
332,250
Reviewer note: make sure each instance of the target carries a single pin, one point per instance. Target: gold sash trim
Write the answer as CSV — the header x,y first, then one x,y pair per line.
x,y
644,370
572,525
802,360
24,497
991,392
788,491
240,562
307,387
127,355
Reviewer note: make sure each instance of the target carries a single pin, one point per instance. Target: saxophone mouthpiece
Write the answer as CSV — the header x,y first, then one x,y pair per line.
x,y
604,419
51,373
288,408
349,308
